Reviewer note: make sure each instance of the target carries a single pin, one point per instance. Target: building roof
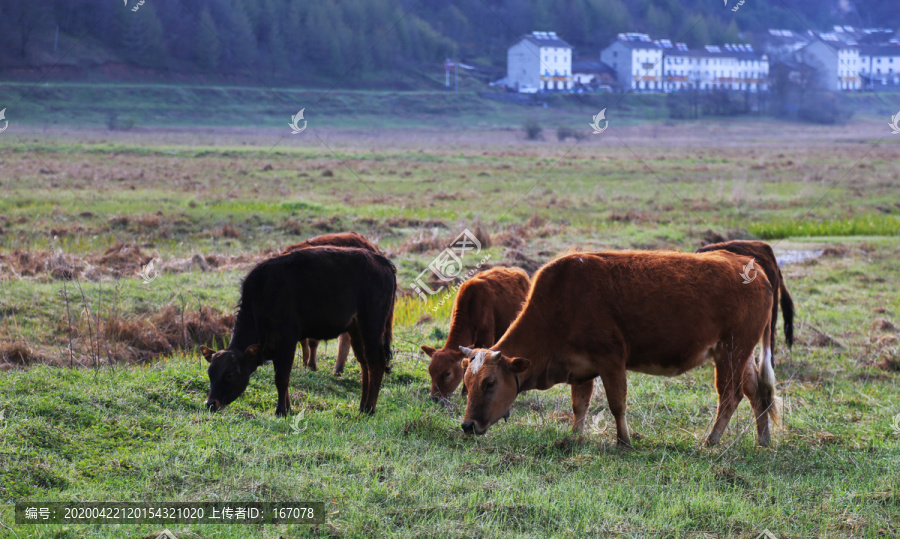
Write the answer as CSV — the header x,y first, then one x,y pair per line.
x,y
880,50
716,52
638,44
544,39
591,66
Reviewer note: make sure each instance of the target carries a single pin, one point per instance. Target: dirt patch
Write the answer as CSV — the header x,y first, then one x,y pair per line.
x,y
19,353
169,329
119,261
883,324
517,258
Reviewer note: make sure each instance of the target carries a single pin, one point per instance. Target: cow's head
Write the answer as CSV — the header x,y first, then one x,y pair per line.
x,y
229,373
493,383
446,370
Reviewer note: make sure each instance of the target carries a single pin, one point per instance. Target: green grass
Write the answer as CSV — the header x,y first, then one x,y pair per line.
x,y
131,432
140,434
869,225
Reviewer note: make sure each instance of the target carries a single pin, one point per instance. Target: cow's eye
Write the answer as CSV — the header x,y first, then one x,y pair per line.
x,y
489,385
447,374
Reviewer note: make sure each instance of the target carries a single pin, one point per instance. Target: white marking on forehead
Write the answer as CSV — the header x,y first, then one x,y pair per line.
x,y
476,362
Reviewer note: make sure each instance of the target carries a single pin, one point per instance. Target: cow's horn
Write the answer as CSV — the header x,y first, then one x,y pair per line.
x,y
496,355
467,351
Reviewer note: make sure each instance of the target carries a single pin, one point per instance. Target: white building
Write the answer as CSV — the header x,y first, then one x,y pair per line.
x,y
539,61
637,61
730,67
879,66
836,61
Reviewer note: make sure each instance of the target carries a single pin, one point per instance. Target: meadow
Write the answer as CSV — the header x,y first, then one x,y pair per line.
x,y
102,389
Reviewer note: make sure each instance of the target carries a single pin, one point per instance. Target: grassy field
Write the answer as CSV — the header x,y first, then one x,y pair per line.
x,y
102,392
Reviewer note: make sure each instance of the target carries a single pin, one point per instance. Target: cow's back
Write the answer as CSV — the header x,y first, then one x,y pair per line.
x,y
339,239
487,304
318,286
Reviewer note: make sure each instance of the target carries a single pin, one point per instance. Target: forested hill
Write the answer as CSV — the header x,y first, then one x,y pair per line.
x,y
371,41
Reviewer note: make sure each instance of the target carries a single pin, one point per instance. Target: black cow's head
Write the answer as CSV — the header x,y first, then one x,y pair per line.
x,y
229,373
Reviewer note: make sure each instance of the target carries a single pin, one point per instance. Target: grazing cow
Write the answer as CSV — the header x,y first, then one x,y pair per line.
x,y
485,306
602,314
762,253
318,293
340,239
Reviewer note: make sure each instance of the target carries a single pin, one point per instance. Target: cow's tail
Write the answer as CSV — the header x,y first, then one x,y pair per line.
x,y
787,311
765,388
389,322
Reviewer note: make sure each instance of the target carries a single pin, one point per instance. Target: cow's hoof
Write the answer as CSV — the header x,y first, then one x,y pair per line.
x,y
281,412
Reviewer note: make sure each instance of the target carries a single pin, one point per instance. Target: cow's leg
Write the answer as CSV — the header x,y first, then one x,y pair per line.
x,y
342,353
728,385
283,362
313,347
616,388
304,349
581,399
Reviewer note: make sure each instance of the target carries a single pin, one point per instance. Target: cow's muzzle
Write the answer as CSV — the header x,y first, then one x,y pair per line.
x,y
473,428
213,405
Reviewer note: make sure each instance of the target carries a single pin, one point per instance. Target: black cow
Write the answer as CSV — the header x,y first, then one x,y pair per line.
x,y
313,293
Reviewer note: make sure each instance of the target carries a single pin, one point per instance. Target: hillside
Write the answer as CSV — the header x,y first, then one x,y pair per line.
x,y
359,43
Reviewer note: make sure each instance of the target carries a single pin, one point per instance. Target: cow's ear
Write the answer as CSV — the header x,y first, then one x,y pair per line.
x,y
465,364
208,353
519,364
252,355
428,350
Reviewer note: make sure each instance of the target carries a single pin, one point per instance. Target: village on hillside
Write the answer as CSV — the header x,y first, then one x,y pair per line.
x,y
846,59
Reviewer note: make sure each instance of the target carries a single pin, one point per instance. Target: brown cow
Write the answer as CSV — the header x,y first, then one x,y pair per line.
x,y
484,308
763,255
340,239
602,314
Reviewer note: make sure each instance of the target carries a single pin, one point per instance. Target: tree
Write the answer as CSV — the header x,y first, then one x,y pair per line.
x,y
206,45
144,43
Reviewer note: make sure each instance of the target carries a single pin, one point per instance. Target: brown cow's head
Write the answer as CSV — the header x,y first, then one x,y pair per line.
x,y
229,373
446,370
493,383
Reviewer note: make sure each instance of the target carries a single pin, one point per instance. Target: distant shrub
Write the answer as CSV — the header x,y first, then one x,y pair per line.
x,y
562,133
533,130
114,123
823,108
